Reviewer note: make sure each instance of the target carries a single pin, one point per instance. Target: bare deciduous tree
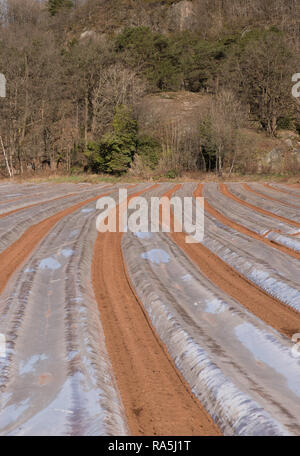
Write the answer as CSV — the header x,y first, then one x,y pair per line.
x,y
117,85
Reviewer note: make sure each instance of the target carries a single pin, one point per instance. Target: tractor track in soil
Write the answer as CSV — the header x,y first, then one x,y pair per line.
x,y
269,309
156,398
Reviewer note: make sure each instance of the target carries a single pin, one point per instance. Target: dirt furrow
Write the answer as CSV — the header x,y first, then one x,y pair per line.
x,y
264,195
269,309
156,398
201,326
40,203
241,228
57,376
281,190
35,204
12,257
224,189
30,193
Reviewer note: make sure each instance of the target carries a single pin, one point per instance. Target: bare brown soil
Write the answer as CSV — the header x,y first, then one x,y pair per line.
x,y
224,189
263,195
35,204
269,309
26,196
12,257
242,229
282,190
12,200
156,398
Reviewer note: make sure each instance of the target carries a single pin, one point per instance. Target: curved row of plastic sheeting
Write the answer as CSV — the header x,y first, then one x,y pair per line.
x,y
287,241
259,223
36,196
273,271
270,192
23,197
272,206
287,189
14,225
56,378
241,369
9,190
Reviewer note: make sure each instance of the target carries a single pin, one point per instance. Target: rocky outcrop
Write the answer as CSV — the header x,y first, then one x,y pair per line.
x,y
284,156
182,15
179,114
181,109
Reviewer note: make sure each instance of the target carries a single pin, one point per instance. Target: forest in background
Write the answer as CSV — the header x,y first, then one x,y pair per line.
x,y
77,70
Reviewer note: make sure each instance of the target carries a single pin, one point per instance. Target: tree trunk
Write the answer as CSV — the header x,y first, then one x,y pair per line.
x,y
203,159
86,114
5,158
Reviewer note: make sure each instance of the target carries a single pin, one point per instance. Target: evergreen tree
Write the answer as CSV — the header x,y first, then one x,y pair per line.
x,y
116,149
55,5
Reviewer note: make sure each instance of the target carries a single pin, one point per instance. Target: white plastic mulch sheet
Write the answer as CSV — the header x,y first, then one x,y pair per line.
x,y
255,221
14,225
241,369
277,208
56,378
272,270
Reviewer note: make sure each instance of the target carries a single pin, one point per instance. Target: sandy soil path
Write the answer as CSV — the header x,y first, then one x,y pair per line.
x,y
282,190
224,189
156,398
242,229
12,257
269,309
264,195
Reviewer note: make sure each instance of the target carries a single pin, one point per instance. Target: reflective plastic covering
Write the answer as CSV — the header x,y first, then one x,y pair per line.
x,y
241,369
56,378
275,272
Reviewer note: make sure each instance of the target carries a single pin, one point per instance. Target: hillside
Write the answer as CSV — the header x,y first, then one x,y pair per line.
x,y
82,76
